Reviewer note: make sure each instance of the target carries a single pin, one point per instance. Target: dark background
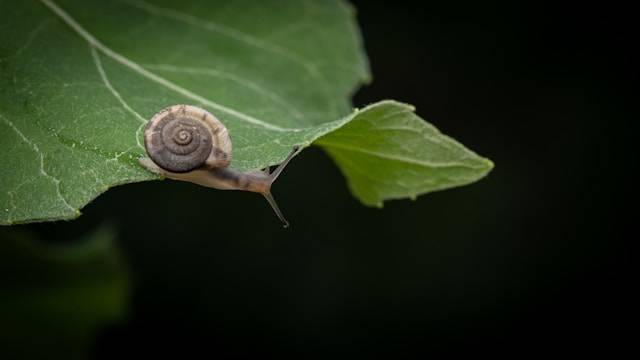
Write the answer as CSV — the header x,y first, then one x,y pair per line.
x,y
530,258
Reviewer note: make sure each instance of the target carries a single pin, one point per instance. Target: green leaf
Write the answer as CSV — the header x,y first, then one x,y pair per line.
x,y
55,297
79,79
388,152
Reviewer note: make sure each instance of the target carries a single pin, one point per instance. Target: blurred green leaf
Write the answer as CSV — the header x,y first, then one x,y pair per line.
x,y
54,297
79,79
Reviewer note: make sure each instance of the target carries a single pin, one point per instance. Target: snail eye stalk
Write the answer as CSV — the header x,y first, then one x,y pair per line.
x,y
275,208
272,177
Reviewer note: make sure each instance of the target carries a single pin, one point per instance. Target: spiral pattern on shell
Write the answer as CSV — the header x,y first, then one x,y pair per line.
x,y
182,138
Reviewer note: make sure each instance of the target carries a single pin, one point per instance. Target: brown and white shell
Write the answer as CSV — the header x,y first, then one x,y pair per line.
x,y
182,138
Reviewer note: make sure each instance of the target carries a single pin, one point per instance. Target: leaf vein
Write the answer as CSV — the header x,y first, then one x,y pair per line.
x,y
238,79
223,30
116,94
43,172
30,38
93,41
400,158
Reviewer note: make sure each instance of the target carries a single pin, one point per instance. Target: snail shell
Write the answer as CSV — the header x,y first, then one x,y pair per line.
x,y
182,138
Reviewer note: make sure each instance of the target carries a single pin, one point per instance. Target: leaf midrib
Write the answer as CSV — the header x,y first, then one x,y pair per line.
x,y
399,158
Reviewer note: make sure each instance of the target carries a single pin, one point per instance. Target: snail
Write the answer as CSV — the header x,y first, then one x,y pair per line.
x,y
187,143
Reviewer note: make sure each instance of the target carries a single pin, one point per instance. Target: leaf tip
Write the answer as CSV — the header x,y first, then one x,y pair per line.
x,y
489,164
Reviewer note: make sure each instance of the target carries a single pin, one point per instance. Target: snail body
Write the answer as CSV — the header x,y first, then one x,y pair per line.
x,y
187,143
